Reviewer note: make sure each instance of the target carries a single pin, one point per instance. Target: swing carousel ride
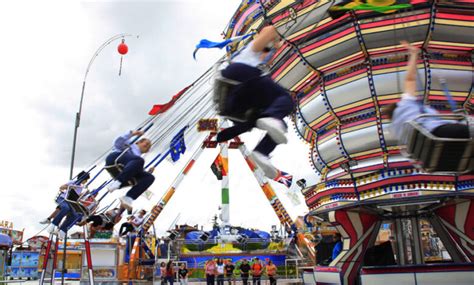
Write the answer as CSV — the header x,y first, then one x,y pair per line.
x,y
343,62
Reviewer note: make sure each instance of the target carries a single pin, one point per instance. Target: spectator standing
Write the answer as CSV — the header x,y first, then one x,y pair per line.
x,y
271,272
183,274
220,272
229,272
244,271
337,246
257,269
211,271
163,272
169,275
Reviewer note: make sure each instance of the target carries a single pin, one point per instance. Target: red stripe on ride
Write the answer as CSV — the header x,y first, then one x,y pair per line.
x,y
328,39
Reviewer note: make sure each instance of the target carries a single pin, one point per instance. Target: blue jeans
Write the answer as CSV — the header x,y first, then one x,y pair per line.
x,y
71,217
259,93
133,168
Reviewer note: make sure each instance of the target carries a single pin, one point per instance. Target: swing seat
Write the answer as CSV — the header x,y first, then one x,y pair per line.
x,y
221,95
437,154
115,169
222,88
73,200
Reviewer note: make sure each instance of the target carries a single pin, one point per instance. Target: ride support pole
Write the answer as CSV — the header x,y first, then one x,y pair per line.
x,y
55,259
63,269
45,259
88,256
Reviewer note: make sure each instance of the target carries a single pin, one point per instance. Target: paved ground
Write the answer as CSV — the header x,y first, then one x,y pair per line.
x,y
281,281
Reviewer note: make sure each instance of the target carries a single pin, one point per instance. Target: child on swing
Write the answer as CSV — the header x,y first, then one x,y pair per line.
x,y
258,95
409,108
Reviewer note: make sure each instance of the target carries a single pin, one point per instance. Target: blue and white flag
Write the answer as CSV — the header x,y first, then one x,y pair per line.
x,y
208,44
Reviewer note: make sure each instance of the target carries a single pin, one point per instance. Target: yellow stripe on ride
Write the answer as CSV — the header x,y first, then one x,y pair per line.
x,y
358,127
279,6
352,105
302,13
452,93
323,140
451,44
340,60
362,153
395,27
307,76
388,96
339,160
345,81
288,68
311,98
388,48
330,44
455,23
319,119
451,67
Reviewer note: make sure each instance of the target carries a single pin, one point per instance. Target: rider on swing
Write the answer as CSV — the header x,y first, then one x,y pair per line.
x,y
130,156
264,102
409,108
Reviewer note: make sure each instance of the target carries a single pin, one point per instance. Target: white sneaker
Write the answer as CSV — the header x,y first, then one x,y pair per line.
x,y
61,235
264,163
46,221
114,185
51,229
275,129
126,202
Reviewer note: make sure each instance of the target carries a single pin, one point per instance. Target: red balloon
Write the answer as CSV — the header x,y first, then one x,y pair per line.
x,y
122,48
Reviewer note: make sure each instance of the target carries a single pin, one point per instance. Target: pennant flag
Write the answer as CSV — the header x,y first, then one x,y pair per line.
x,y
177,148
159,109
177,145
284,178
208,44
379,6
217,167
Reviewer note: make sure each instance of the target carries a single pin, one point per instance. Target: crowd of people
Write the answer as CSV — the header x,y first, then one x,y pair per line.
x,y
218,271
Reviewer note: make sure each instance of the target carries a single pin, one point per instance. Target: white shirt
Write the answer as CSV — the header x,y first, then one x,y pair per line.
x,y
248,56
122,143
220,269
72,185
407,110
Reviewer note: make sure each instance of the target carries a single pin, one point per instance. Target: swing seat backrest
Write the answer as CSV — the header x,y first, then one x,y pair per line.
x,y
115,169
72,198
436,154
223,90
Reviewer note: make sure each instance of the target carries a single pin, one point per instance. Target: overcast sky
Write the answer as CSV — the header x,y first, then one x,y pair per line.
x,y
46,46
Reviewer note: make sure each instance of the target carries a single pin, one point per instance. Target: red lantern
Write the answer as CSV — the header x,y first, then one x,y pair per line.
x,y
122,48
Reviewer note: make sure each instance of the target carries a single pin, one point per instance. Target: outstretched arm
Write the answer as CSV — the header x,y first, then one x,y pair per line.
x,y
122,142
267,35
410,79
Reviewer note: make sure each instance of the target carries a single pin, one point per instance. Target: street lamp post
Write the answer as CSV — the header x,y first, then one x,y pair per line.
x,y
76,127
78,114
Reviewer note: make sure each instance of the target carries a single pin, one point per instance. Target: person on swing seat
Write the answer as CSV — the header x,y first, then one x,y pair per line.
x,y
130,156
105,221
409,108
264,101
77,184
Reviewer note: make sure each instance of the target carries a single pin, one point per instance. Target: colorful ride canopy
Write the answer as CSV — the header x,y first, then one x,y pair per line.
x,y
344,70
